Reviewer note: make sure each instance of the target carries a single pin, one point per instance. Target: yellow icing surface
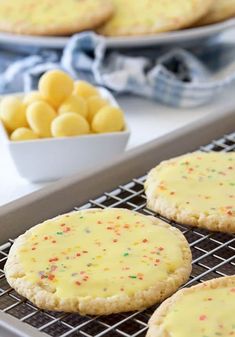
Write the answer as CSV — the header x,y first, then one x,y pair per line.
x,y
47,11
100,254
201,182
203,313
150,14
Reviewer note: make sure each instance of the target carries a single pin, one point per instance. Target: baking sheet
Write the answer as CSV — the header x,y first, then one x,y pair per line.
x,y
213,253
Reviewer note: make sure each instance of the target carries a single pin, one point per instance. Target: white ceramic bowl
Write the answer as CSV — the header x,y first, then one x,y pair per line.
x,y
53,158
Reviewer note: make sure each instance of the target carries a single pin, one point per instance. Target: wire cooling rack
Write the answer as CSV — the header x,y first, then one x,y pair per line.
x,y
213,256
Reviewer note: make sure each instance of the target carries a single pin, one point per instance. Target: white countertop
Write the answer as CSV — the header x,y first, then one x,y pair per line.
x,y
148,120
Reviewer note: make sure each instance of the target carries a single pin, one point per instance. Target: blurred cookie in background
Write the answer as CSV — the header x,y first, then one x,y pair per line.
x,y
45,17
148,17
220,10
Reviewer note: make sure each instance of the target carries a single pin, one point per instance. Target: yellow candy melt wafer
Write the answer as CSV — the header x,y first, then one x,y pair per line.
x,y
85,89
39,116
108,119
74,104
95,103
12,113
69,124
56,86
23,134
32,97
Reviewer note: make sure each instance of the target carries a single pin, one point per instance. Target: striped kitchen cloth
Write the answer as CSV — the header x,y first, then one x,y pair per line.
x,y
173,76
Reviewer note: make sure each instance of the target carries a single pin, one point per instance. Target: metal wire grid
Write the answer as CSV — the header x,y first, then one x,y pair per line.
x,y
213,256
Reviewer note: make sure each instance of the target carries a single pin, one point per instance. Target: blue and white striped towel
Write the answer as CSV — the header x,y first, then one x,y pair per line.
x,y
177,77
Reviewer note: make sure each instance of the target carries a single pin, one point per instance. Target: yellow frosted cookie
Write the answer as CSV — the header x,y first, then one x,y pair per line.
x,y
205,310
220,10
12,113
99,262
45,17
148,17
197,189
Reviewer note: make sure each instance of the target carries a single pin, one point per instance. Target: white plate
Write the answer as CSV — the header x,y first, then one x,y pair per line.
x,y
182,36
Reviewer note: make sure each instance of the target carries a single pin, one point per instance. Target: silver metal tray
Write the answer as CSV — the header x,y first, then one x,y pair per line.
x,y
117,185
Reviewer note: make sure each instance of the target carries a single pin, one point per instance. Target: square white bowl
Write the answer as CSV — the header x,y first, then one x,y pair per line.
x,y
53,158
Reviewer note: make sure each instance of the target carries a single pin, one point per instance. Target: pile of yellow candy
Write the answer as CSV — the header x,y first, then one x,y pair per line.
x,y
60,108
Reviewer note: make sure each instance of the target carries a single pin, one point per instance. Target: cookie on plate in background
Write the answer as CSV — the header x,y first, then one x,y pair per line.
x,y
45,17
148,17
197,189
204,310
99,262
220,10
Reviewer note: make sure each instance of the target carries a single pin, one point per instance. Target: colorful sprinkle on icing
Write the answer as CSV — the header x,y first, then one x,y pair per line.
x,y
208,312
124,252
202,317
201,184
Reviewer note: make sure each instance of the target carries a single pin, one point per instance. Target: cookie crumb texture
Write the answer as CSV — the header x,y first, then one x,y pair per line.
x,y
196,189
220,10
206,310
46,17
99,262
150,17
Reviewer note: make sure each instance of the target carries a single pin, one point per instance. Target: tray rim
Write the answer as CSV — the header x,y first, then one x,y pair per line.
x,y
13,327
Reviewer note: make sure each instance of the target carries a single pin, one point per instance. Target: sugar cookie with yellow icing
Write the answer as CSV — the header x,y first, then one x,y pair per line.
x,y
220,10
99,262
148,17
46,17
196,189
205,310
